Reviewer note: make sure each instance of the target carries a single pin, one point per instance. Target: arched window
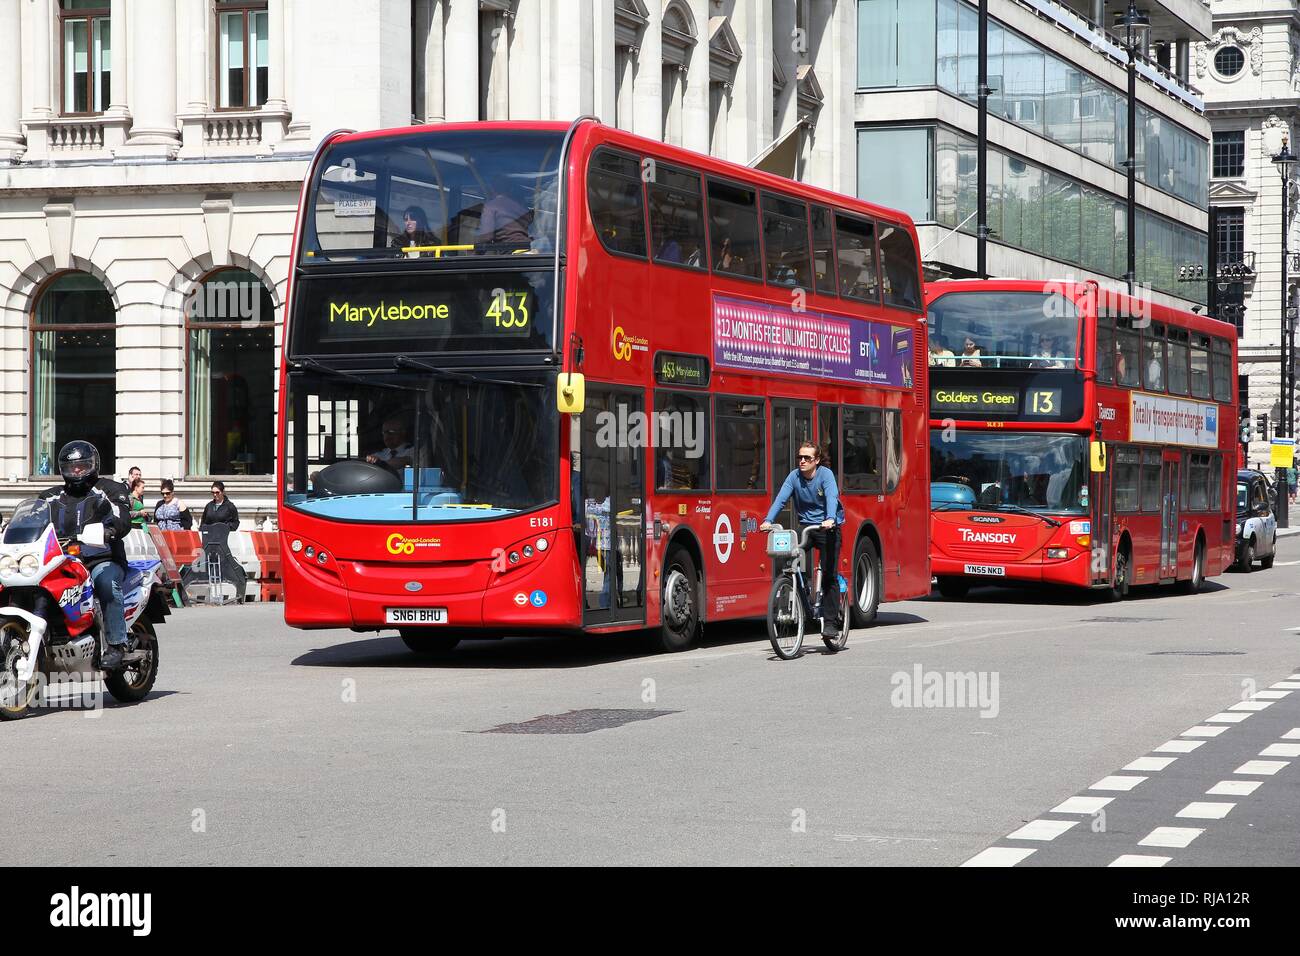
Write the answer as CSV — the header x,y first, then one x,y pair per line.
x,y
74,371
678,41
230,325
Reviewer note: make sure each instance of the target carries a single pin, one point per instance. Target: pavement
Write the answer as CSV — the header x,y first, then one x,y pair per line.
x,y
937,735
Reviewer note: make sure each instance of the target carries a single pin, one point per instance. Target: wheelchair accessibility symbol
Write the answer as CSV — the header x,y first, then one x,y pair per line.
x,y
538,598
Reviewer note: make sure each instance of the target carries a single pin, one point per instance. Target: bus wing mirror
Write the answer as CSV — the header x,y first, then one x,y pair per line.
x,y
1098,456
570,393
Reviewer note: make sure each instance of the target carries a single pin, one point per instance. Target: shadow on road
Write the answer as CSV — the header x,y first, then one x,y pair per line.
x,y
1066,597
547,651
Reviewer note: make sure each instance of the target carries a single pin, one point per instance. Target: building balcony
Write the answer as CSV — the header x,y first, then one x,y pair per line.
x,y
75,137
226,133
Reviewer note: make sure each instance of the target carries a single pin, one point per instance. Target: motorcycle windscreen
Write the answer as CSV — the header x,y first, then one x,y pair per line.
x,y
29,522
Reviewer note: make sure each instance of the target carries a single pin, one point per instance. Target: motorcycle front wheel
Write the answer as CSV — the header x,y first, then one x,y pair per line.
x,y
17,698
133,681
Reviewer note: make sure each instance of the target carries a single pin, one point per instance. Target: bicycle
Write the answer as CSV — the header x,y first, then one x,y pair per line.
x,y
790,607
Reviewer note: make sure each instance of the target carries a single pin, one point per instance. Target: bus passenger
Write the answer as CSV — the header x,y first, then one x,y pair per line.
x,y
1047,356
817,503
415,230
940,354
1155,371
971,354
505,221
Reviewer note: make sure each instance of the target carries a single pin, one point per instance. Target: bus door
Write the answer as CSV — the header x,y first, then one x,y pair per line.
x,y
1101,524
792,424
1169,515
612,505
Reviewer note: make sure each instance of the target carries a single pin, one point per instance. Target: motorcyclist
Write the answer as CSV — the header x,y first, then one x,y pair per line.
x,y
85,499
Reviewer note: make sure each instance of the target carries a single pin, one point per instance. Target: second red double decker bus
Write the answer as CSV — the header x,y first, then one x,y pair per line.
x,y
1077,437
547,377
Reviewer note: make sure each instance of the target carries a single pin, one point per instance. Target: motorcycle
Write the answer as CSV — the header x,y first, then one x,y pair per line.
x,y
50,622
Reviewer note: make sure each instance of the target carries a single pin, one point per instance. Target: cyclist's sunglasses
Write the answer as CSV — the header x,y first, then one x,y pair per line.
x,y
807,457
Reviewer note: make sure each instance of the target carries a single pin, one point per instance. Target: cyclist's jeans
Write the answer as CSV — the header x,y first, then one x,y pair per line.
x,y
107,578
827,541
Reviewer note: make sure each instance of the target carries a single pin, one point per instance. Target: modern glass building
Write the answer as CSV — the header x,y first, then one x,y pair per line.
x,y
1058,124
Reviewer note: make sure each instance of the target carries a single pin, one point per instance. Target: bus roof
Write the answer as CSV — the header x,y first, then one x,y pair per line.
x,y
1077,288
594,133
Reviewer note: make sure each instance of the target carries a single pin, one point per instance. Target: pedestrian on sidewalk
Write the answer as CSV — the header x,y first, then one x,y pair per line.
x,y
220,510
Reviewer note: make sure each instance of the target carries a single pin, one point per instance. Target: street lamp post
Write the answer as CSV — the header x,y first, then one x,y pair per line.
x,y
1285,162
1135,26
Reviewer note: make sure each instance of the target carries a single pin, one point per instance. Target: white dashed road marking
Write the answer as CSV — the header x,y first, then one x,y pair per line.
x,y
1234,788
1293,734
1042,829
1206,811
1137,859
1286,685
1202,730
1252,705
1176,837
1150,763
1082,805
1226,718
1269,695
1264,768
1281,750
1117,783
999,856
1177,746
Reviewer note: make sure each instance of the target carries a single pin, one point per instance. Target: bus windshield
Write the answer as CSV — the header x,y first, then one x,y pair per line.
x,y
990,471
1003,330
435,195
419,445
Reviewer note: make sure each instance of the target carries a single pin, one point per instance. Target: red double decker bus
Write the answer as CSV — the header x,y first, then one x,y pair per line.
x,y
1077,437
542,377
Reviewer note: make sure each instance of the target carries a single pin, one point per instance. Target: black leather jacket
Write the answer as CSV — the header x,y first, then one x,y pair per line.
x,y
108,502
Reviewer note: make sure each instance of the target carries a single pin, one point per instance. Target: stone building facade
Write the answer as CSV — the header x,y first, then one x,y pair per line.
x,y
152,153
1250,71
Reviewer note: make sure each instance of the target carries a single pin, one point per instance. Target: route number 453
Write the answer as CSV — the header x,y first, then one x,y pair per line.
x,y
509,310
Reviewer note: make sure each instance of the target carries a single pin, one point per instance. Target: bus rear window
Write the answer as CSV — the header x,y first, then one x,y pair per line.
x,y
435,195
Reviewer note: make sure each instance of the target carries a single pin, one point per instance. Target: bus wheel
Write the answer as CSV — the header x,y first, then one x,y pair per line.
x,y
1119,589
954,588
1194,583
866,583
422,642
680,610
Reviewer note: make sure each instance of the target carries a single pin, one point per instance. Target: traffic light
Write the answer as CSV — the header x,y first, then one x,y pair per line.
x,y
1261,427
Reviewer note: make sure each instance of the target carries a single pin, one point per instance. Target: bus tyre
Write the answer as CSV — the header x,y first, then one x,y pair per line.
x,y
422,642
1246,562
1118,590
680,611
1194,583
866,584
954,588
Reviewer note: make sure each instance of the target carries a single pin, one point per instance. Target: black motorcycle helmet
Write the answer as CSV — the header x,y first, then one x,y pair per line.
x,y
79,466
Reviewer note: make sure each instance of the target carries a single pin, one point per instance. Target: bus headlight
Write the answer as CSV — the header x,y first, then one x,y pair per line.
x,y
1058,553
296,545
542,544
29,564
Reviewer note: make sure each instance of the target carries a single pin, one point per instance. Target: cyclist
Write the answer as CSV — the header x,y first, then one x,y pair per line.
x,y
817,503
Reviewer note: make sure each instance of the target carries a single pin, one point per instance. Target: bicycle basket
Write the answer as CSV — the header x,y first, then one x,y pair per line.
x,y
782,544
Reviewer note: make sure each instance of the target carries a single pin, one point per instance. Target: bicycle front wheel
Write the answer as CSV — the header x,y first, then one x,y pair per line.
x,y
785,619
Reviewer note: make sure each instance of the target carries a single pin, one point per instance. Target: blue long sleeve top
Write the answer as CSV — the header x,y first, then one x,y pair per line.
x,y
815,498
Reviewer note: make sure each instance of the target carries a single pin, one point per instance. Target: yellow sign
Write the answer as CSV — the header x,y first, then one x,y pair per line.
x,y
1283,454
399,543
